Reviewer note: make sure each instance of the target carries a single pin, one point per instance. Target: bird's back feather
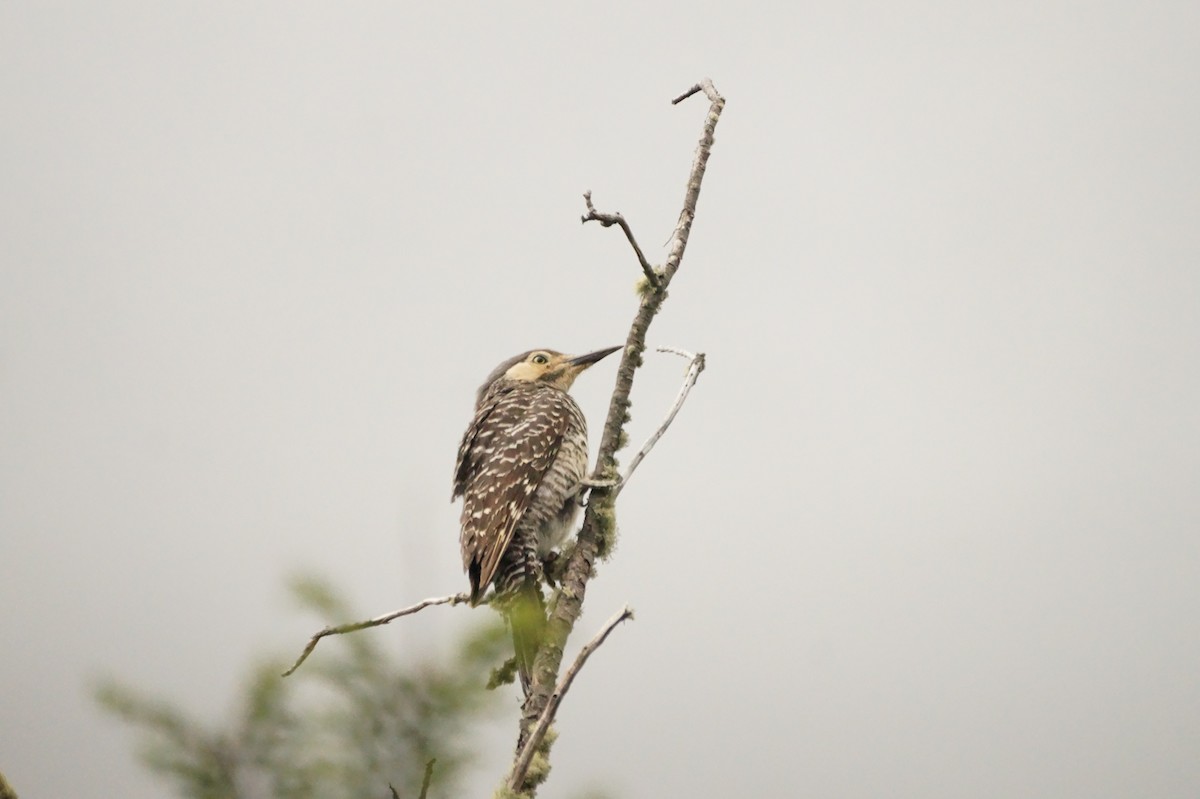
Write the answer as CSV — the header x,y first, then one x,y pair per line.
x,y
510,445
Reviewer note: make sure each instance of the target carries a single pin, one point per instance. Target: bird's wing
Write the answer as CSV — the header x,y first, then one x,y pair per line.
x,y
506,452
468,452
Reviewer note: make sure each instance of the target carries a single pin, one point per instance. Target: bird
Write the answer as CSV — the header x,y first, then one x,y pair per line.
x,y
520,471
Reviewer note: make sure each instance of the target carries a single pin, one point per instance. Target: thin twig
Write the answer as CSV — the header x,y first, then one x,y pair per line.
x,y
547,718
428,778
694,369
608,220
567,602
705,86
342,629
686,94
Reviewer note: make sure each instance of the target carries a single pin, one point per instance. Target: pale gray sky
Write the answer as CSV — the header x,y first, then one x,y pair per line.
x,y
928,527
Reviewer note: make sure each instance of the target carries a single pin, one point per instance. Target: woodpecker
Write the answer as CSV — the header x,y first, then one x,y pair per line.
x,y
521,467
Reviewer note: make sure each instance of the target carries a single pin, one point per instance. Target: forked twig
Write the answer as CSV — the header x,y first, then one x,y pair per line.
x,y
521,765
694,369
608,220
341,629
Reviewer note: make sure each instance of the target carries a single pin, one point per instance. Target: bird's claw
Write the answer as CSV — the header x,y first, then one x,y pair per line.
x,y
588,484
552,567
596,482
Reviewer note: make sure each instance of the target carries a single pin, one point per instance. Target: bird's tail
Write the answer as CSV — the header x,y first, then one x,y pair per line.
x,y
527,618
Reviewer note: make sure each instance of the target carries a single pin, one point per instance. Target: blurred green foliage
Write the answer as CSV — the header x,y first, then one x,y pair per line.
x,y
351,722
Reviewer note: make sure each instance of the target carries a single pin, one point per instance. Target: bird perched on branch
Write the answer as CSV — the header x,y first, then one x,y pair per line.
x,y
521,467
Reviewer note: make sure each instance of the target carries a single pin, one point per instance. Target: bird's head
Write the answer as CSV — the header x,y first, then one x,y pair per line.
x,y
543,366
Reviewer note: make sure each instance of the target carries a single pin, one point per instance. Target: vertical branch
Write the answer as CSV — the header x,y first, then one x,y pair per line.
x,y
599,520
691,196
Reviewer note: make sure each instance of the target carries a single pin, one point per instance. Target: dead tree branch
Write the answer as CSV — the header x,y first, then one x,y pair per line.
x,y
517,777
567,602
698,87
694,369
378,621
608,220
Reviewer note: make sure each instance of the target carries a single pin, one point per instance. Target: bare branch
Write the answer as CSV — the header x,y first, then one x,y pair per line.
x,y
547,718
683,227
378,621
703,86
608,220
694,369
567,602
686,94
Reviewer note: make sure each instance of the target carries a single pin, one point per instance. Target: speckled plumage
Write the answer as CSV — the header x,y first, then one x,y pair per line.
x,y
519,472
520,468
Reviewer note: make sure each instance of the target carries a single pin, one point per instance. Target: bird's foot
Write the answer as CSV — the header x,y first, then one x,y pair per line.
x,y
596,482
553,566
587,484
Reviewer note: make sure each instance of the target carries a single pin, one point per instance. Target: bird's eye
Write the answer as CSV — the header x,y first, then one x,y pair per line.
x,y
539,358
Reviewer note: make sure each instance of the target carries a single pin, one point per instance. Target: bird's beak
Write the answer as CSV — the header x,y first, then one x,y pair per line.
x,y
584,361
